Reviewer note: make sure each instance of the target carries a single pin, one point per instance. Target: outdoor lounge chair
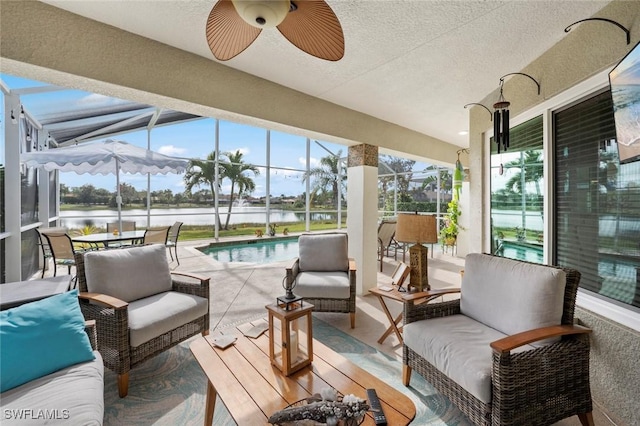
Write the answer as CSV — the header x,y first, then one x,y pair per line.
x,y
386,242
507,352
140,307
324,275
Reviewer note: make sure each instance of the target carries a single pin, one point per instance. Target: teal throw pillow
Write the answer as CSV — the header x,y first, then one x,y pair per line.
x,y
40,338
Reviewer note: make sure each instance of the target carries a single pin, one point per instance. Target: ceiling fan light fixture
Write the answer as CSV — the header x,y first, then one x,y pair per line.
x,y
262,13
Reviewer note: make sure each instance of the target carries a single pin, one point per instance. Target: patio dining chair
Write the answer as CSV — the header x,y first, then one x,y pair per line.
x,y
172,239
156,235
127,226
62,250
44,245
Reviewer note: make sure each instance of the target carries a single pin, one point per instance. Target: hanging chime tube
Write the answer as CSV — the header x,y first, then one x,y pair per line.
x,y
496,128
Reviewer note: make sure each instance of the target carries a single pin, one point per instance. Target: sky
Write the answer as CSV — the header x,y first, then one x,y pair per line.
x,y
193,139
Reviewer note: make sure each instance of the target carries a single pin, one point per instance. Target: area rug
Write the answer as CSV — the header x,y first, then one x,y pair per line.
x,y
170,388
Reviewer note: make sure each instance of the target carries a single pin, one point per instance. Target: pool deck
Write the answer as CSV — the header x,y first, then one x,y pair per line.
x,y
240,291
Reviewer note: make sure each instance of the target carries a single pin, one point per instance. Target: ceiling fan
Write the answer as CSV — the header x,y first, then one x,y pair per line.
x,y
310,25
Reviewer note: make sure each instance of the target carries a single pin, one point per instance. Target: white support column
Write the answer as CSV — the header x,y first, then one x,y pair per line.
x,y
307,202
13,244
362,214
216,185
268,182
43,188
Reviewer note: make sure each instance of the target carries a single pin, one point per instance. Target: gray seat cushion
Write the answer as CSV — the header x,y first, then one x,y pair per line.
x,y
155,315
128,274
73,395
323,252
331,285
511,296
457,346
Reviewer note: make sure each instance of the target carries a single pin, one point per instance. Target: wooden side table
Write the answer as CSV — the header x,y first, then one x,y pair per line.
x,y
394,294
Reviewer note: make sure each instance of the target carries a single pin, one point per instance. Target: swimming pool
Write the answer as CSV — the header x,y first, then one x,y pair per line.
x,y
254,251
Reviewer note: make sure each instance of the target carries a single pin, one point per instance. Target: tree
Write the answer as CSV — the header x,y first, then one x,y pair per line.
x,y
235,170
402,177
324,178
202,172
85,194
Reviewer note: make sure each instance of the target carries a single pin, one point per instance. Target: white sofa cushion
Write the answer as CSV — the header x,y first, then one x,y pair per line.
x,y
457,346
323,252
332,285
128,274
73,395
511,296
155,315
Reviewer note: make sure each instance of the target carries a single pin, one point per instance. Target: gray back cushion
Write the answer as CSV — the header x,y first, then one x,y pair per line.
x,y
323,252
128,274
511,296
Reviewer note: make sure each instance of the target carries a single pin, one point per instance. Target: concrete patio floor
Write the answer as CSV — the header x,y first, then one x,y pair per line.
x,y
239,293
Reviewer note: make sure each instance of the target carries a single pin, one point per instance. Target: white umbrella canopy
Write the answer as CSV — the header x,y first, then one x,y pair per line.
x,y
108,157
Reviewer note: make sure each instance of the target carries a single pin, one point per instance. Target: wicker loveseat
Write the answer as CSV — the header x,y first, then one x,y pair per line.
x,y
507,352
324,275
140,307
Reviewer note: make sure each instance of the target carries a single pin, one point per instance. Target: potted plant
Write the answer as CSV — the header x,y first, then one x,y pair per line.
x,y
450,228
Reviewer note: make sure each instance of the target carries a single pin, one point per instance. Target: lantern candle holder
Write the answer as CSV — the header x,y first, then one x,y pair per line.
x,y
290,337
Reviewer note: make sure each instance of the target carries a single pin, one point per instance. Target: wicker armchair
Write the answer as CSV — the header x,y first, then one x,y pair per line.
x,y
324,275
134,320
527,381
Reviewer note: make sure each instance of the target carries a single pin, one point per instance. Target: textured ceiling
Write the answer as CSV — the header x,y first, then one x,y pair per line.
x,y
412,63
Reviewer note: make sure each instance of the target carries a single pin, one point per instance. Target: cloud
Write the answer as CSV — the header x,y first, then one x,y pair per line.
x,y
314,162
171,150
244,151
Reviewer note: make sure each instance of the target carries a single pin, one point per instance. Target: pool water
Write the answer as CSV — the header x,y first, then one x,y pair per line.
x,y
254,251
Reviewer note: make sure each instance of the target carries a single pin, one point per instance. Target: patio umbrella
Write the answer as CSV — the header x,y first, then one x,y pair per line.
x,y
104,158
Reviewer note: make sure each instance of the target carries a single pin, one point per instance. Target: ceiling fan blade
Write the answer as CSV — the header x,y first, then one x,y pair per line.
x,y
227,33
314,28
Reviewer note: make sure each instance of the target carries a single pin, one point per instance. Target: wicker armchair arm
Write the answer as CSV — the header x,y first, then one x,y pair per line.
x,y
190,275
190,284
90,329
292,271
104,300
429,294
509,343
421,311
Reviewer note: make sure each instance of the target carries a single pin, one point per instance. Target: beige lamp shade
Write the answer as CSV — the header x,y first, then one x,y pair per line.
x,y
416,228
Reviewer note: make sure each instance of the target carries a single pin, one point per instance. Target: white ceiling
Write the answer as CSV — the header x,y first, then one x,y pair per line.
x,y
414,63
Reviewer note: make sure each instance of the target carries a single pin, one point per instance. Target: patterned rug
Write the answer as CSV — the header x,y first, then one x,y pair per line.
x,y
170,389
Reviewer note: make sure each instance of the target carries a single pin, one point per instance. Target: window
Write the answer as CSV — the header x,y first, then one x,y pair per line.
x,y
517,197
597,200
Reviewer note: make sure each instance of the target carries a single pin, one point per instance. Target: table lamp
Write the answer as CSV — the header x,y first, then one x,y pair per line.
x,y
417,229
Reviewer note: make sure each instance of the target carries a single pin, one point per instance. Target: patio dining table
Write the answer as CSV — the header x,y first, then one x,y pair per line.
x,y
107,238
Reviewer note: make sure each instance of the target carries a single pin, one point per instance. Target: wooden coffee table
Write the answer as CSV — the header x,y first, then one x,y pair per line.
x,y
252,389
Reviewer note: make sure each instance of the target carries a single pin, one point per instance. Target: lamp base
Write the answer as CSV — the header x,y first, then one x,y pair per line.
x,y
418,277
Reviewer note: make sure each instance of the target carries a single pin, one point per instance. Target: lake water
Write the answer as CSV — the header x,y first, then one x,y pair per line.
x,y
190,216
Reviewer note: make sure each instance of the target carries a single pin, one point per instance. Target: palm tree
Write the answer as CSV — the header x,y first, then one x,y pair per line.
x,y
325,177
235,170
202,172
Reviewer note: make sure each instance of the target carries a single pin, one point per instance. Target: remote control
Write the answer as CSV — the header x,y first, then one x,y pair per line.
x,y
376,407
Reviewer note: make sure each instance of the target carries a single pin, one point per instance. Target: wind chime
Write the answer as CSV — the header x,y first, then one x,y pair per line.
x,y
501,121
